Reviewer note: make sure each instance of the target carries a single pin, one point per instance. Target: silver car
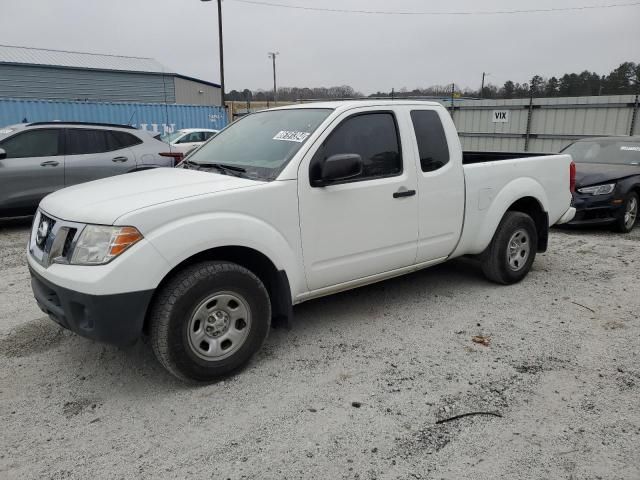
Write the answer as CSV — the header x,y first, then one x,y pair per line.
x,y
39,158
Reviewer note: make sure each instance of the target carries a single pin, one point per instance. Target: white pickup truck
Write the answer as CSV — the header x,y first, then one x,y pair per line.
x,y
281,207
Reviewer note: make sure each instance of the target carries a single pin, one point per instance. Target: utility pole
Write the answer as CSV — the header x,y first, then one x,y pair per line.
x,y
453,91
482,87
221,47
273,55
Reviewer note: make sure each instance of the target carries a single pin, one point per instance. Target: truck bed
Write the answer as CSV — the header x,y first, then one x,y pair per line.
x,y
490,187
469,157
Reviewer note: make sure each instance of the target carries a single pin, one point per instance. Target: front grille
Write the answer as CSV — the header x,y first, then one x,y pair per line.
x,y
52,239
43,231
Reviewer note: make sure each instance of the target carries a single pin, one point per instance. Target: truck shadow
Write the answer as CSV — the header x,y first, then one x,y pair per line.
x,y
446,280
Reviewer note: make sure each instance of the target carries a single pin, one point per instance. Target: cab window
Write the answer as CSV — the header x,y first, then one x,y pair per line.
x,y
432,141
373,136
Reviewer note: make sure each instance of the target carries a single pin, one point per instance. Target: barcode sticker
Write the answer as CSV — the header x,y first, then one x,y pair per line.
x,y
287,136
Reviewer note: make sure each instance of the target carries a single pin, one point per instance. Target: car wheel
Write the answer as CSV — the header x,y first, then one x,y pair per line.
x,y
627,220
209,320
509,256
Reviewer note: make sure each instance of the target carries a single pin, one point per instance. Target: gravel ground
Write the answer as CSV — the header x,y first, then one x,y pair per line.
x,y
355,389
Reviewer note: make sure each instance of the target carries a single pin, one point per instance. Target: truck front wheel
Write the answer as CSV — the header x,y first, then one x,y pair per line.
x,y
209,320
509,256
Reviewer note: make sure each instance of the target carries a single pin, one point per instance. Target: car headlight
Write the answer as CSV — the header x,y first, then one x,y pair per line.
x,y
99,244
598,189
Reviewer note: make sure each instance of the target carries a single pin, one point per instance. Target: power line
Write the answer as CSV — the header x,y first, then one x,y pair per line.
x,y
479,12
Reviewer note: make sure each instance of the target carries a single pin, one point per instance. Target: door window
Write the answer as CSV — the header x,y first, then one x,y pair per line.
x,y
84,141
34,143
373,136
432,141
124,139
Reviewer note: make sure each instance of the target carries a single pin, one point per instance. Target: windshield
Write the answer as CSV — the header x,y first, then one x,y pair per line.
x,y
171,137
605,151
261,143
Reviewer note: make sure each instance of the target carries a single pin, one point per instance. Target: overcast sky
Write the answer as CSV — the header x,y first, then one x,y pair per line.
x,y
368,52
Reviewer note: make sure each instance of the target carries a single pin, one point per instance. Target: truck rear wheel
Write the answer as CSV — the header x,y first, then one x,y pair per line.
x,y
209,320
509,256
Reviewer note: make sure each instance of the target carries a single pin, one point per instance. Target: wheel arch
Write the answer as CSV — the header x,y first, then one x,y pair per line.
x,y
532,207
276,281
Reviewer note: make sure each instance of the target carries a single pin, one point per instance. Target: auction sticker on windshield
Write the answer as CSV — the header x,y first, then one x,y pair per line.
x,y
287,136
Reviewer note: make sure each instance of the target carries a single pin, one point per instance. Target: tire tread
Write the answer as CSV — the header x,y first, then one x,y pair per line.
x,y
160,314
492,261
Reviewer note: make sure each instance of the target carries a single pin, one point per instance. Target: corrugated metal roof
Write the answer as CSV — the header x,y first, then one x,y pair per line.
x,y
62,58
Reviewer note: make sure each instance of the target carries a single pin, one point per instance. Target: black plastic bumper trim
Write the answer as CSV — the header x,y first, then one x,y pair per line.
x,y
115,319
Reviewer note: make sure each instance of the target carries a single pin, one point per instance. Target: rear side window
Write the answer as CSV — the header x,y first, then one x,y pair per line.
x,y
124,139
432,141
83,141
34,143
373,136
192,137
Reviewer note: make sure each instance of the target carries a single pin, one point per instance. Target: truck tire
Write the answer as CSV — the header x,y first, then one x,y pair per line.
x,y
509,256
209,320
627,220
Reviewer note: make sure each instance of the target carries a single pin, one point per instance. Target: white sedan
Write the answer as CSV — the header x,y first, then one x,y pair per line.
x,y
186,139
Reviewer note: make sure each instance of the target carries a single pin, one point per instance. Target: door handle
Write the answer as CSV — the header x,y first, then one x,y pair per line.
x,y
50,163
119,159
404,193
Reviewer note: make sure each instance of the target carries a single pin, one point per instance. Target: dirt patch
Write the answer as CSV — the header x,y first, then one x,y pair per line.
x,y
76,407
33,337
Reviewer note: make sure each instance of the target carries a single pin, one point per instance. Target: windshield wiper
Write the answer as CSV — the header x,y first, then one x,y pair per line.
x,y
233,169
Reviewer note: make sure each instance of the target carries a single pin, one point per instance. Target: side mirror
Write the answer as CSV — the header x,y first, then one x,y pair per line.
x,y
3,154
338,168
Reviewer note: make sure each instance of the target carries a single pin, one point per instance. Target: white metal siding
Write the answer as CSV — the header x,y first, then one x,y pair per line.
x,y
22,81
555,122
188,93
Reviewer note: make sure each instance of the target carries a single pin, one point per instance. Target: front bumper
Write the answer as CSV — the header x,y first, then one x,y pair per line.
x,y
596,209
116,319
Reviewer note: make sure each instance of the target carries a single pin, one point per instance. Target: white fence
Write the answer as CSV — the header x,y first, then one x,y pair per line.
x,y
542,124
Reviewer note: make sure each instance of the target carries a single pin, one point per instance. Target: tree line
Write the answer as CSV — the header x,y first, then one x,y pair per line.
x,y
624,79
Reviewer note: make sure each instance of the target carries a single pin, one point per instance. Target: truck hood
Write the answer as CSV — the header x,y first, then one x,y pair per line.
x,y
595,173
103,201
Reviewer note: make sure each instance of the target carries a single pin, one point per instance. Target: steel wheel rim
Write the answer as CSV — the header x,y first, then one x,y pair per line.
x,y
631,212
219,326
518,250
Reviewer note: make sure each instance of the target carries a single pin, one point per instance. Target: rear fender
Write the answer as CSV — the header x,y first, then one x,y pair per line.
x,y
481,221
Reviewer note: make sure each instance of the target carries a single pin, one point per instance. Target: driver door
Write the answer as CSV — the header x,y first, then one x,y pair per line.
x,y
368,224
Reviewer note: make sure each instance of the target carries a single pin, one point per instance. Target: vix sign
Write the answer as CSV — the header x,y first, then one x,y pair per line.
x,y
500,116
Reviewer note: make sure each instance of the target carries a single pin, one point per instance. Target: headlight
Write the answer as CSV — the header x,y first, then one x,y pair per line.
x,y
598,189
98,244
